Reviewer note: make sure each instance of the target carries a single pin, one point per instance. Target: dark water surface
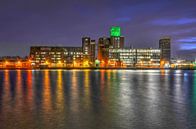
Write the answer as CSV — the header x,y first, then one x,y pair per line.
x,y
98,99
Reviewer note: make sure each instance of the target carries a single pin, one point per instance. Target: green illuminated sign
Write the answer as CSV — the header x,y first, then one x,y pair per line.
x,y
115,31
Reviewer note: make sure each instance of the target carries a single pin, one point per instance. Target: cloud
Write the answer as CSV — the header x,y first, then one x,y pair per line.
x,y
189,40
188,46
181,21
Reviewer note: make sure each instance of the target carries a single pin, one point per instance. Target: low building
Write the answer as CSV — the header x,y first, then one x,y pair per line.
x,y
14,62
50,56
144,58
182,64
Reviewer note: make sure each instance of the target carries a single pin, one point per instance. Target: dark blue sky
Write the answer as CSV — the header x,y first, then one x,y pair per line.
x,y
60,22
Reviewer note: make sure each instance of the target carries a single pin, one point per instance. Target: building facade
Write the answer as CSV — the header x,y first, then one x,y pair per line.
x,y
103,50
165,47
182,64
117,41
50,56
15,62
145,58
88,49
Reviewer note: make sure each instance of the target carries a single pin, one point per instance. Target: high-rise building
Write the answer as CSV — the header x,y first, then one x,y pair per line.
x,y
103,49
88,47
165,47
116,39
92,51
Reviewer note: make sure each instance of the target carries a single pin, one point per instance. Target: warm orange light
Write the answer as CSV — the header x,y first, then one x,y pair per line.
x,y
102,63
75,63
86,63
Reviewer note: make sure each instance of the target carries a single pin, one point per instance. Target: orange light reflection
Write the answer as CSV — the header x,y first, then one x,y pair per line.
x,y
46,94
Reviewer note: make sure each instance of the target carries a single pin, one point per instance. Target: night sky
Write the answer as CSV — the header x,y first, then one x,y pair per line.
x,y
61,22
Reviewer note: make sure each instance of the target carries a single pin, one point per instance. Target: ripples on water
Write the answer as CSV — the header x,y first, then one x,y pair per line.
x,y
98,99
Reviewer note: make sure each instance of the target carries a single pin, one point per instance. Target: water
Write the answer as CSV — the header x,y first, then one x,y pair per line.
x,y
93,99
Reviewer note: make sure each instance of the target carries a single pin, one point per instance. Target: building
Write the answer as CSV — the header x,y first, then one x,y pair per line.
x,y
88,49
165,47
103,49
92,51
148,58
117,41
182,64
111,53
51,56
54,56
126,57
15,62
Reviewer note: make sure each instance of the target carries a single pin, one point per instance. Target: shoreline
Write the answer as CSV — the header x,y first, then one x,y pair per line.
x,y
90,68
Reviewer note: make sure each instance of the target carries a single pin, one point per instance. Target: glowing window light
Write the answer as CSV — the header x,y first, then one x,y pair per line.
x,y
86,63
59,62
46,62
6,62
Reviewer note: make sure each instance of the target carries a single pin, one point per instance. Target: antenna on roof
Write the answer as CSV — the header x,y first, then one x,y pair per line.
x,y
131,46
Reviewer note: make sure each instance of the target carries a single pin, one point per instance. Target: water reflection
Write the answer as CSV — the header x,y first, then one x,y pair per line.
x,y
97,99
86,88
74,91
194,94
47,94
59,90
